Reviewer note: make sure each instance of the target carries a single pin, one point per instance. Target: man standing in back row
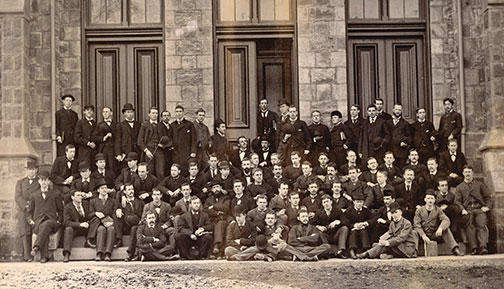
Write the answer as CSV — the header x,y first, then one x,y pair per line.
x,y
184,138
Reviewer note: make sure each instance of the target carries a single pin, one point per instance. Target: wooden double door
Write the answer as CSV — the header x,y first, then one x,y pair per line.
x,y
125,73
248,71
393,69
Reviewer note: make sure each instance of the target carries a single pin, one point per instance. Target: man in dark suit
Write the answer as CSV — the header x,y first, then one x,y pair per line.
x,y
236,156
126,136
424,135
103,171
359,220
450,125
409,194
267,123
151,240
452,162
166,143
375,136
400,136
75,220
163,212
184,138
354,124
45,214
308,239
295,136
203,138
265,153
25,188
375,196
380,113
331,221
383,215
132,209
104,215
148,143
417,167
195,229
64,170
85,184
144,182
197,180
340,139
240,234
104,136
66,119
394,174
218,142
218,207
86,146
431,179
170,186
239,198
128,173
475,200
320,137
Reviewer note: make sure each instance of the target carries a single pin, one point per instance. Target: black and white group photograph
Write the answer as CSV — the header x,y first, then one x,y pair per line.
x,y
252,144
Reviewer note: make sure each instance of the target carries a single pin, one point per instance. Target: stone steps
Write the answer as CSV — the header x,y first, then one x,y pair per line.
x,y
437,249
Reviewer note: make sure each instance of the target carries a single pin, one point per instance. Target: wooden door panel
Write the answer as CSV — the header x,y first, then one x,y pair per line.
x,y
237,100
274,80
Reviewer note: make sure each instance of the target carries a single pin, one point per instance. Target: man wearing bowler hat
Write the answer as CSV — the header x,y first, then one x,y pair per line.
x,y
126,135
103,171
86,146
84,184
66,119
45,215
25,187
129,172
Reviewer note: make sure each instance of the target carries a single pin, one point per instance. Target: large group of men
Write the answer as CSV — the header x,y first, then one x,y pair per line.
x,y
360,188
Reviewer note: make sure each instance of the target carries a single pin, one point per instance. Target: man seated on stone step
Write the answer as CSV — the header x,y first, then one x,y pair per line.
x,y
85,183
432,224
240,233
400,241
44,215
256,216
383,216
104,214
195,230
359,220
151,241
445,199
164,217
474,199
132,209
75,220
330,220
218,207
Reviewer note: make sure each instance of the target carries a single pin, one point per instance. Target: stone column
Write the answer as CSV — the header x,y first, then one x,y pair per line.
x,y
322,57
492,147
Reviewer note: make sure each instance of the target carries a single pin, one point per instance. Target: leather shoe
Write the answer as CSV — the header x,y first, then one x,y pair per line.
x,y
340,254
456,252
98,257
43,260
352,254
483,251
362,256
107,258
89,244
66,258
174,257
34,251
474,251
118,243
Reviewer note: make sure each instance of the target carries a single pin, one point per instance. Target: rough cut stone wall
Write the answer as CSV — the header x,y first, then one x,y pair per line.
x,y
322,57
189,56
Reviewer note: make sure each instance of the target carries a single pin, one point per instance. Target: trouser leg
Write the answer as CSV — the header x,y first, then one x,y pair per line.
x,y
376,251
110,240
364,237
27,246
101,236
67,240
246,254
449,239
231,251
132,246
352,240
341,236
480,222
183,243
471,232
42,240
160,163
219,232
204,244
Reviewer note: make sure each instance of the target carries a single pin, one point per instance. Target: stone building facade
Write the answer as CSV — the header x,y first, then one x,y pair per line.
x,y
45,44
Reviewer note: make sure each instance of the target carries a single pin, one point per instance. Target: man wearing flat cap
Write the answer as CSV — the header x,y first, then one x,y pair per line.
x,y
400,241
25,187
126,135
66,119
86,146
45,214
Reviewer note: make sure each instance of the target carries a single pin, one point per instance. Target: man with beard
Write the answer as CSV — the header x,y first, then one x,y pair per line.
x,y
66,119
380,113
450,125
104,136
354,124
308,239
340,139
218,207
184,138
86,145
126,135
423,135
320,138
296,135
151,240
264,153
267,122
132,209
375,136
400,136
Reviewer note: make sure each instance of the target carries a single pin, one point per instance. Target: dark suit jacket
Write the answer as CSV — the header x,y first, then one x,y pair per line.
x,y
60,170
400,132
246,202
394,173
409,200
65,124
431,181
266,159
148,137
184,140
312,204
109,177
181,207
82,135
221,207
72,218
305,235
450,123
197,184
132,214
144,186
365,215
145,238
24,191
126,138
99,132
384,115
448,199
320,145
125,176
447,166
234,157
163,217
246,234
374,138
96,205
50,208
422,132
77,184
375,196
322,219
266,126
167,132
355,129
341,135
186,225
220,146
300,138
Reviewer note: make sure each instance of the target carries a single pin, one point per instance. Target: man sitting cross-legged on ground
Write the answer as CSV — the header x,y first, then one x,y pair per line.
x,y
331,222
240,233
151,240
270,244
431,223
399,241
308,239
195,229
75,220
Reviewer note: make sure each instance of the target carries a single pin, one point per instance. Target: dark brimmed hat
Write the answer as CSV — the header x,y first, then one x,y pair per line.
x,y
31,164
132,156
83,166
127,106
358,196
165,142
67,95
100,182
99,157
261,242
336,113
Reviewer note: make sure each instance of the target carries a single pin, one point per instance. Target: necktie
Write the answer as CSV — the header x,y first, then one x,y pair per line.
x,y
453,157
81,211
69,164
90,123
